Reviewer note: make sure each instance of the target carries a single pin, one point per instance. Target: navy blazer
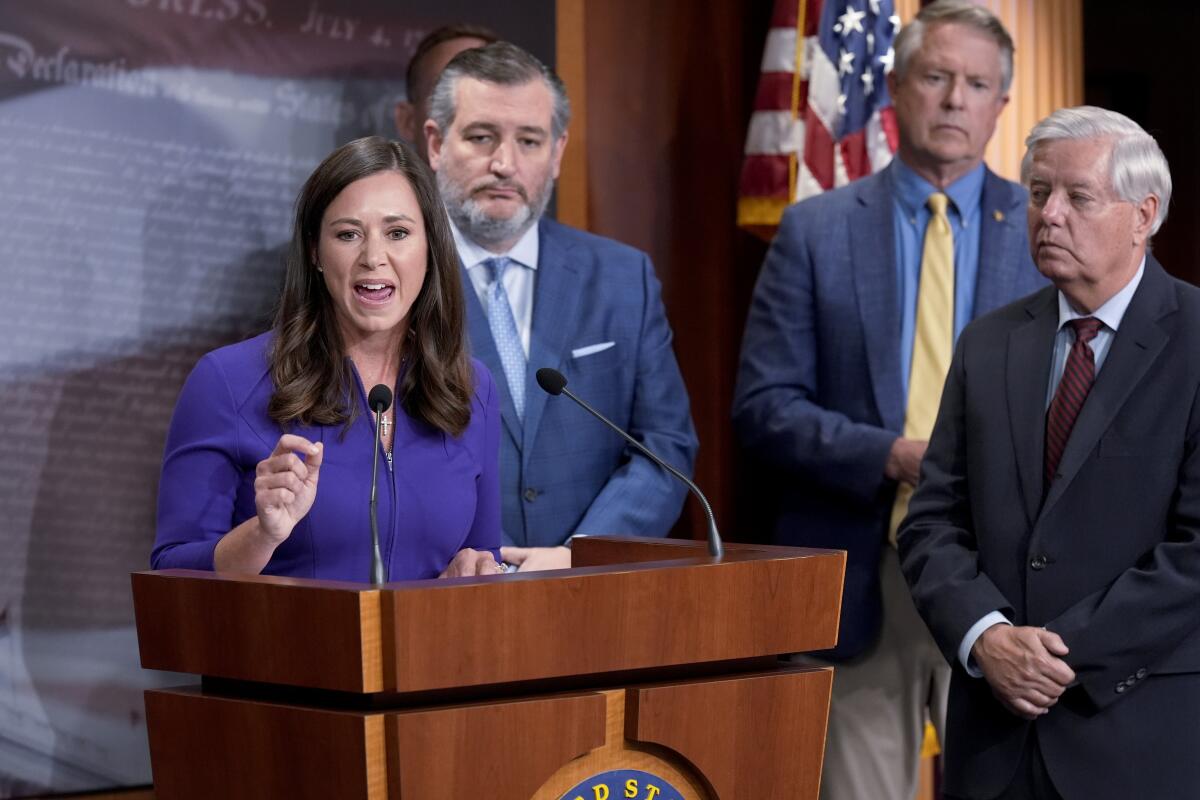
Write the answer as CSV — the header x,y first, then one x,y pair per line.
x,y
819,394
563,472
1109,559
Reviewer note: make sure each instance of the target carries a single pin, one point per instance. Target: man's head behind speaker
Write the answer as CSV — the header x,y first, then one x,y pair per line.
x,y
428,60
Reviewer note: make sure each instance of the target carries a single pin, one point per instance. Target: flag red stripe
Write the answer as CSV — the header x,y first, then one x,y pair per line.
x,y
774,92
887,121
818,151
784,14
765,176
812,16
854,155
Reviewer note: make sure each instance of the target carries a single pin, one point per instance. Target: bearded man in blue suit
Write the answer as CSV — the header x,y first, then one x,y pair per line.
x,y
541,294
842,351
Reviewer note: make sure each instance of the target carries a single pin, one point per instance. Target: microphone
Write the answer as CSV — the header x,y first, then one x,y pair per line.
x,y
379,400
554,382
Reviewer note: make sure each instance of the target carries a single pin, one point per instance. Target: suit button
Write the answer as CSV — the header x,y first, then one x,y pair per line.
x,y
1039,562
531,494
1131,680
1120,687
1141,673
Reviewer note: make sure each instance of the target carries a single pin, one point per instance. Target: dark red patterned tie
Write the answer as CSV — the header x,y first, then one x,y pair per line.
x,y
1072,391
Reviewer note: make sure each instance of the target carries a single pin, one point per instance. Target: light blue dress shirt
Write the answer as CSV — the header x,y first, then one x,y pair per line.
x,y
910,192
1111,314
518,283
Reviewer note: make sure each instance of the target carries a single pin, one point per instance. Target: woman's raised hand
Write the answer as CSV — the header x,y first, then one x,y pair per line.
x,y
285,485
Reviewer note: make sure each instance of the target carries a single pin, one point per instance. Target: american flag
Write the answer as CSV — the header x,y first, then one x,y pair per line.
x,y
822,115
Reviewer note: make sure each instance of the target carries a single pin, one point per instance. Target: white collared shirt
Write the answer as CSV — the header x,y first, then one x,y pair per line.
x,y
518,278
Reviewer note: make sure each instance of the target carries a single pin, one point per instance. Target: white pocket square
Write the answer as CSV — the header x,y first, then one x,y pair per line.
x,y
591,349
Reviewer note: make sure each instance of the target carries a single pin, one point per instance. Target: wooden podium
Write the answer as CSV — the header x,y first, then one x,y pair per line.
x,y
646,656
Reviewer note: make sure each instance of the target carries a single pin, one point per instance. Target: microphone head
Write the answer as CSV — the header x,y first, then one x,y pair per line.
x,y
551,380
380,398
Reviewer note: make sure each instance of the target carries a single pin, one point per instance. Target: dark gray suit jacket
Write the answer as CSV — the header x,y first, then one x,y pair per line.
x,y
1109,558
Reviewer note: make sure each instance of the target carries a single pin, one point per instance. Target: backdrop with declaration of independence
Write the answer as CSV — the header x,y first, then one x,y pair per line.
x,y
150,152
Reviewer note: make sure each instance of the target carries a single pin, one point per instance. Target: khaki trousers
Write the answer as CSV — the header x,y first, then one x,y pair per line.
x,y
881,701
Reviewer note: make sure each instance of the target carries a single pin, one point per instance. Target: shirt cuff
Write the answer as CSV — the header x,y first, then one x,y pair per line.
x,y
968,642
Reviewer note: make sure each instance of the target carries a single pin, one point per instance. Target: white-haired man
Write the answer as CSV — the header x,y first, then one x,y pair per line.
x,y
1053,543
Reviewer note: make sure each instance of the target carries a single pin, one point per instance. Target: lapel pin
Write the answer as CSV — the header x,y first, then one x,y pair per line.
x,y
998,215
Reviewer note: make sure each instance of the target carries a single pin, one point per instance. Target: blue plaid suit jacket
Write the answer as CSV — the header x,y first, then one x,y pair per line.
x,y
562,472
819,395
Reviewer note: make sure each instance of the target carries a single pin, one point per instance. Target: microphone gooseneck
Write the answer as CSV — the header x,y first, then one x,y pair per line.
x,y
554,382
379,400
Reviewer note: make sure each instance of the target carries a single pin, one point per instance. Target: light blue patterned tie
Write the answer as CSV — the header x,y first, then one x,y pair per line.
x,y
504,332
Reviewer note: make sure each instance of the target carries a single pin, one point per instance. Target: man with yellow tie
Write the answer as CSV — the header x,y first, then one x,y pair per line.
x,y
847,346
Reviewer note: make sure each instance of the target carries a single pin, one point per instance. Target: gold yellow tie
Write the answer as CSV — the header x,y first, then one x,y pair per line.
x,y
934,340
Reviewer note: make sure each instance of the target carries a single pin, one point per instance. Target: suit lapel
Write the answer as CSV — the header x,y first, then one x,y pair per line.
x,y
873,262
483,347
556,295
1134,348
1030,349
1000,241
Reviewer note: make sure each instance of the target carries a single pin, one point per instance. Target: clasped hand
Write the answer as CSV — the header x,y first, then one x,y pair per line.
x,y
1024,667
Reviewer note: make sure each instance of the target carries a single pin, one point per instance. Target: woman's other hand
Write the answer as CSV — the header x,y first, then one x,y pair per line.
x,y
468,562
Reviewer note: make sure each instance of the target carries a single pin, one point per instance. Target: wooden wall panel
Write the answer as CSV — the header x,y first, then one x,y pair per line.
x,y
668,89
571,65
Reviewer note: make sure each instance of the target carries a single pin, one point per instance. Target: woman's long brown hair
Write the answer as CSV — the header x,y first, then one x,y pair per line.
x,y
314,382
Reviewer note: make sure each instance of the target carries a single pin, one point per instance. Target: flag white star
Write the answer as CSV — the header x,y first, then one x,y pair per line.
x,y
888,59
895,20
868,79
846,63
842,104
870,43
851,21
875,7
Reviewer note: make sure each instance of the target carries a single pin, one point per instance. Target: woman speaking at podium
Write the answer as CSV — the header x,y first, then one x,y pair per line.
x,y
269,456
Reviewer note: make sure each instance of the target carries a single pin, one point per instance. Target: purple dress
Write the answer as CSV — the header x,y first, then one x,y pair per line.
x,y
442,494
